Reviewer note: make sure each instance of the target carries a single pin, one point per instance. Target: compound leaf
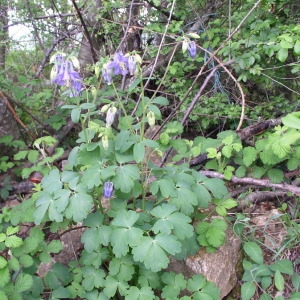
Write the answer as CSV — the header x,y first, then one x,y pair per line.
x,y
170,219
125,177
122,268
216,186
125,234
79,206
112,285
93,278
145,293
216,233
185,200
152,252
51,182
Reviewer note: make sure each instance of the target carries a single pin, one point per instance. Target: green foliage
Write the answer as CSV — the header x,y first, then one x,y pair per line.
x,y
212,235
259,274
130,236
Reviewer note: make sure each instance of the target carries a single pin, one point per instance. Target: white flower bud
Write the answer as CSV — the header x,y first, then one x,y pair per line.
x,y
185,44
75,62
53,73
105,143
151,118
110,116
104,108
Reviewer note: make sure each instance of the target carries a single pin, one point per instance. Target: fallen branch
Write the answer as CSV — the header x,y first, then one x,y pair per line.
x,y
258,197
258,182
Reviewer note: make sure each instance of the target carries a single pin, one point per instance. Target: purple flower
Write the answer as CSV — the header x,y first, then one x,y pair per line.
x,y
131,64
119,64
107,72
192,49
68,77
59,61
108,189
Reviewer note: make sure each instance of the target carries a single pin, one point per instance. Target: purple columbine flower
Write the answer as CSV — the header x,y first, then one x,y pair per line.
x,y
120,64
131,64
68,77
108,189
107,72
59,61
192,49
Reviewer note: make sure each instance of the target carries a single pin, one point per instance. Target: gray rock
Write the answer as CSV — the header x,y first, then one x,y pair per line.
x,y
219,267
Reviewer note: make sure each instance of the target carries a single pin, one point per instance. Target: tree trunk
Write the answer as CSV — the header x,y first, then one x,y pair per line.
x,y
3,32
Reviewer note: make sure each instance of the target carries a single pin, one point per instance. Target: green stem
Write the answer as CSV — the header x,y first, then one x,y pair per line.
x,y
122,108
82,122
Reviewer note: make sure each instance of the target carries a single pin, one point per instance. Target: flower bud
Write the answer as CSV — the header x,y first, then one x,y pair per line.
x,y
108,189
110,116
131,64
75,62
97,70
94,92
53,73
151,118
105,143
57,57
104,108
184,46
192,49
138,59
107,72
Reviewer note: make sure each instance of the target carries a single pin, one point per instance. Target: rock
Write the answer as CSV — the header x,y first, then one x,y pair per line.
x,y
218,267
71,242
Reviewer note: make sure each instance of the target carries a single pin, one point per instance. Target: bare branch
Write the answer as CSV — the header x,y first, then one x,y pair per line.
x,y
258,182
258,197
87,34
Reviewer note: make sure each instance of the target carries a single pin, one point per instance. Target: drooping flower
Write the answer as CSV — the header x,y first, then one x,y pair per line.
x,y
108,189
67,76
107,72
131,64
192,49
110,116
120,64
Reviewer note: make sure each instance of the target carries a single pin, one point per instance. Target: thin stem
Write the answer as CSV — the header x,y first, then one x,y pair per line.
x,y
122,107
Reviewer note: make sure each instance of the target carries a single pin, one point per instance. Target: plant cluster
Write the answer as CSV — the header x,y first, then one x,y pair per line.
x,y
137,214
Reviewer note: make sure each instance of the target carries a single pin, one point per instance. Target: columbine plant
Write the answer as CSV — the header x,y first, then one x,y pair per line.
x,y
64,74
120,64
136,214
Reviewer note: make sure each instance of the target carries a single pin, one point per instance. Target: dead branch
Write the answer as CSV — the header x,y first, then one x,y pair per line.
x,y
258,128
258,197
265,183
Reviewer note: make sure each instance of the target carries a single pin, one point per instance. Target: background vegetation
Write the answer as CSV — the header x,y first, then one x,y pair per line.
x,y
224,135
